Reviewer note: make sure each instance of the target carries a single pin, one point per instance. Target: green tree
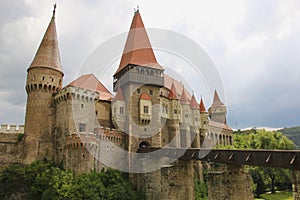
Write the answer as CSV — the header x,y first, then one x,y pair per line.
x,y
265,178
44,180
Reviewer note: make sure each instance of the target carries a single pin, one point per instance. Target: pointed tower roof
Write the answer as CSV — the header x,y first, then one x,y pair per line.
x,y
217,101
47,54
90,82
119,96
173,93
202,107
138,49
184,98
194,104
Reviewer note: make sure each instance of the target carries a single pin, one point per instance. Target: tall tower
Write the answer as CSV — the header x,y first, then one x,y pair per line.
x,y
44,78
140,78
217,111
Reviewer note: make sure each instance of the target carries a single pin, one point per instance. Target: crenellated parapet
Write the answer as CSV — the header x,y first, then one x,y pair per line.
x,y
12,128
76,94
93,139
11,133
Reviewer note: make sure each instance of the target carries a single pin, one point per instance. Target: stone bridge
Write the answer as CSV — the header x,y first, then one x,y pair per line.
x,y
234,160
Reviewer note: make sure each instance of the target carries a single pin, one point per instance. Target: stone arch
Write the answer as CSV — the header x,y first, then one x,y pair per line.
x,y
144,144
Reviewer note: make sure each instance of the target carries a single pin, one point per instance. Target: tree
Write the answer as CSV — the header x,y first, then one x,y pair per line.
x,y
265,178
44,180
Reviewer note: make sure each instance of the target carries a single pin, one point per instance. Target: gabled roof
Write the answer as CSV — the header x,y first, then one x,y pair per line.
x,y
217,101
90,82
173,93
194,104
202,107
138,49
119,95
145,96
47,54
184,99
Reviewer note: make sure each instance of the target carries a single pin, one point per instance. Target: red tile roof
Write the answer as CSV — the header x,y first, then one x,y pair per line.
x,y
168,81
194,104
202,107
217,101
47,54
173,93
145,96
184,99
138,49
90,82
119,96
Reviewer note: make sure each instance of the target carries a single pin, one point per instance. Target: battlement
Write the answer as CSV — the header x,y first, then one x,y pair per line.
x,y
11,133
76,93
7,128
101,134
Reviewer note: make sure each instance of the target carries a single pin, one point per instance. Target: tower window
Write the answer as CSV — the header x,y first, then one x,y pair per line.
x,y
175,111
121,110
82,105
81,127
52,79
146,109
43,78
151,92
138,90
96,112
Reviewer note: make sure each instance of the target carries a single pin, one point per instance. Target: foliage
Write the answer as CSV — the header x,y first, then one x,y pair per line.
x,y
20,137
293,134
201,190
278,196
44,180
261,139
265,179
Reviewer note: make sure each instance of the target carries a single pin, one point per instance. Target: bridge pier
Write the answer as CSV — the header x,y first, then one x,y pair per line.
x,y
295,179
229,182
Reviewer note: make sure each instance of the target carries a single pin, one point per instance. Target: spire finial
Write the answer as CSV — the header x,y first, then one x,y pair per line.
x,y
136,10
54,8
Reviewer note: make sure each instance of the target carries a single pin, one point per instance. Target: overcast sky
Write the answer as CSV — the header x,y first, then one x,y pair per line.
x,y
255,45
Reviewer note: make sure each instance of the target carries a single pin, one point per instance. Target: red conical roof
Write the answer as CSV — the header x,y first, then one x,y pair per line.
x,y
47,54
184,99
173,93
202,107
217,101
194,104
90,82
138,50
119,96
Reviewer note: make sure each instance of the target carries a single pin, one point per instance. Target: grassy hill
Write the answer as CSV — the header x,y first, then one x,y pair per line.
x,y
293,134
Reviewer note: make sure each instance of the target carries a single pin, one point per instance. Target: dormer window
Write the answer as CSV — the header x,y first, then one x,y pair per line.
x,y
146,109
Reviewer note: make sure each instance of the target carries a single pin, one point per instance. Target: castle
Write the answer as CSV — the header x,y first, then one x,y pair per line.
x,y
69,124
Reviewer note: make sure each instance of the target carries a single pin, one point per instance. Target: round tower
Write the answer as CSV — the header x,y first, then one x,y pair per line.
x,y
44,79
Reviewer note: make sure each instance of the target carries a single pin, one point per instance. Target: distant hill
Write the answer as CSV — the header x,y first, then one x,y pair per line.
x,y
293,134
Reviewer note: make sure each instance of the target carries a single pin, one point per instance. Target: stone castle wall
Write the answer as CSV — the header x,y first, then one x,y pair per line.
x,y
10,144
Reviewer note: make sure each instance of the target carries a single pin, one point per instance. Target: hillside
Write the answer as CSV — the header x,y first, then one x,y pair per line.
x,y
293,134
